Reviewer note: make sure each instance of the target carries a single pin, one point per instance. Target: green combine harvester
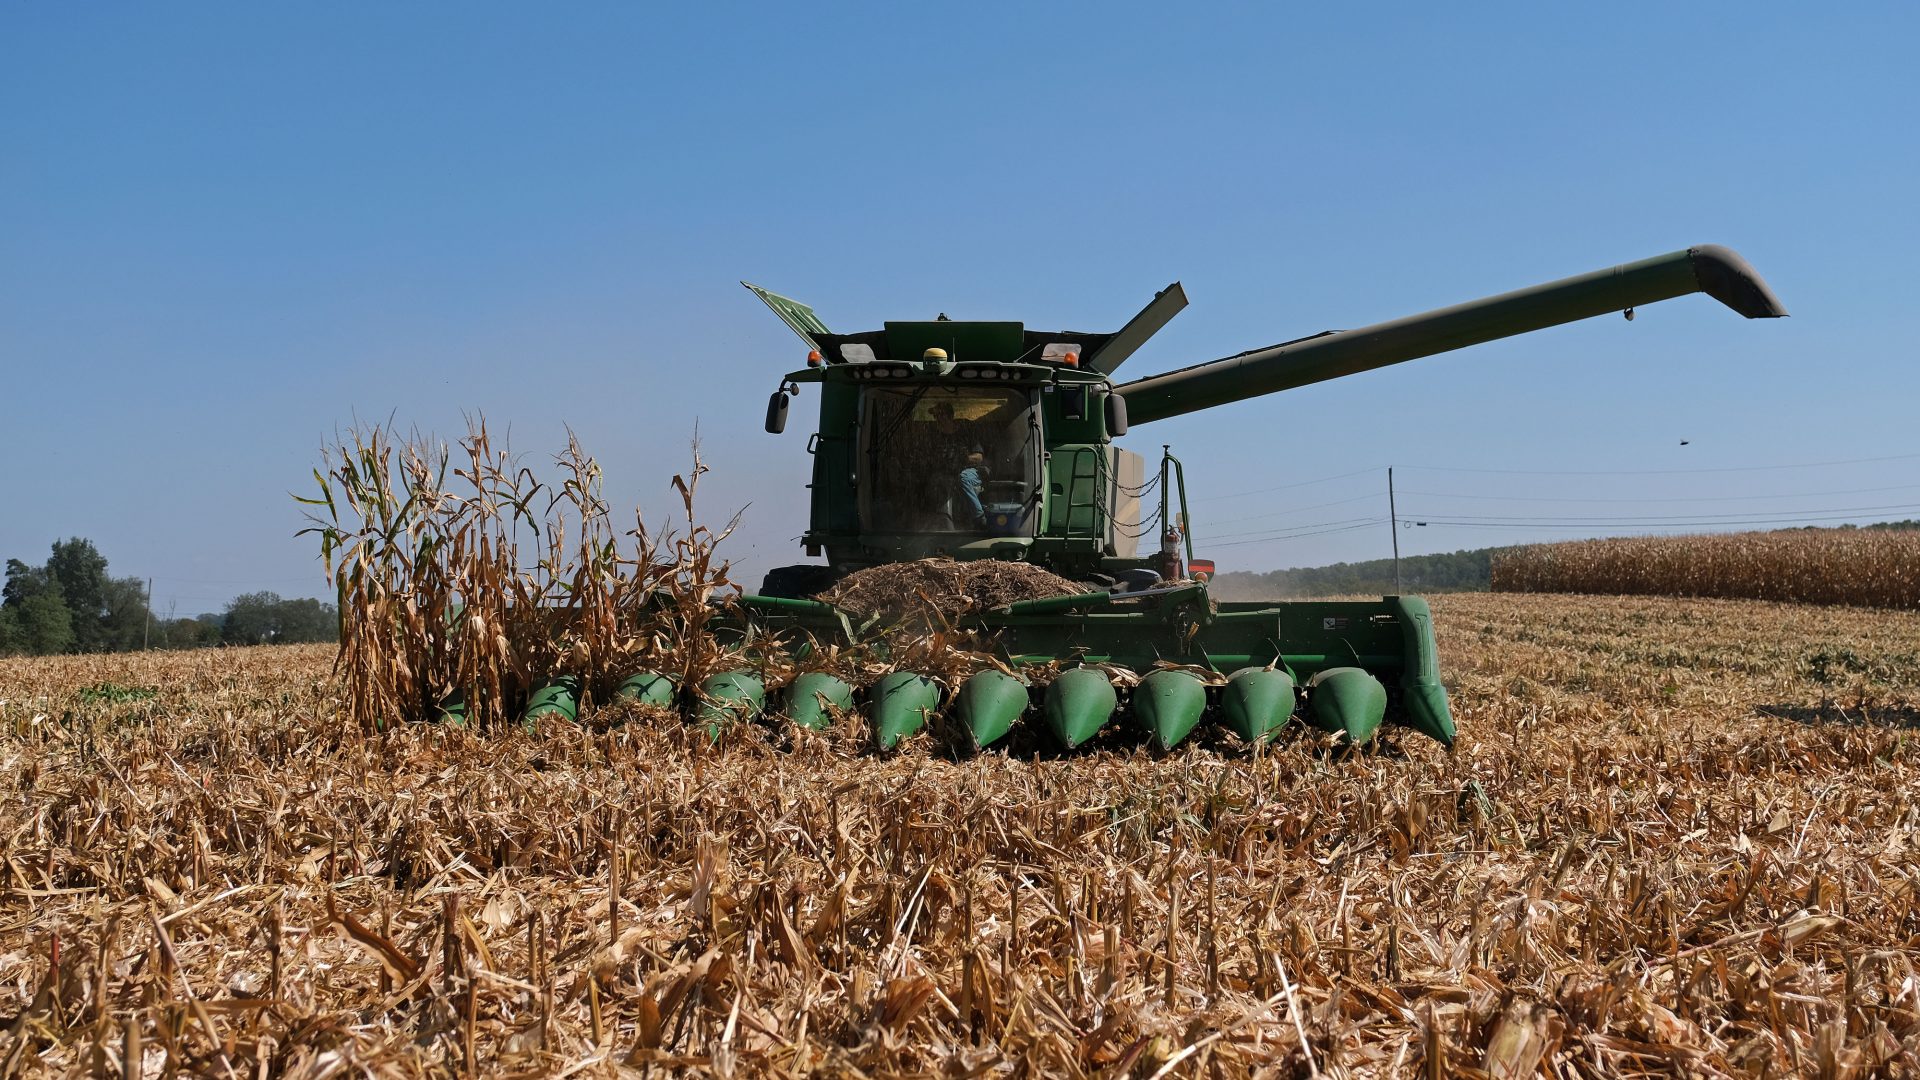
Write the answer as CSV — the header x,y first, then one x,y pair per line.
x,y
987,440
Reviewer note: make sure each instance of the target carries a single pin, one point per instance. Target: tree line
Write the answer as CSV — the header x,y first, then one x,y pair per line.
x,y
71,604
1457,571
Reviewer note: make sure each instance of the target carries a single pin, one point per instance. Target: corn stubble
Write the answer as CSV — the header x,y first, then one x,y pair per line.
x,y
1865,567
1677,837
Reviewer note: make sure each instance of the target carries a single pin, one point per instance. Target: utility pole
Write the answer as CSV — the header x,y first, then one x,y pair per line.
x,y
1393,518
146,632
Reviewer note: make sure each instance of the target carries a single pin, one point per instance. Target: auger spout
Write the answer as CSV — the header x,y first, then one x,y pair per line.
x,y
1717,271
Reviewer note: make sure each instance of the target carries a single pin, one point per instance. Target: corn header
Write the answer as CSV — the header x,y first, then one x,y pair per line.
x,y
992,441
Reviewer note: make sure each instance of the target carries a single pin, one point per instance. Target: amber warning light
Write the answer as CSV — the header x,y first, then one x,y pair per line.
x,y
813,358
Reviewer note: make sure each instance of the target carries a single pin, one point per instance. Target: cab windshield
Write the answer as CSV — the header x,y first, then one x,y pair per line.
x,y
948,459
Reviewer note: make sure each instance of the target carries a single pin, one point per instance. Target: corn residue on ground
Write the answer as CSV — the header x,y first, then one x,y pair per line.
x,y
951,588
1676,838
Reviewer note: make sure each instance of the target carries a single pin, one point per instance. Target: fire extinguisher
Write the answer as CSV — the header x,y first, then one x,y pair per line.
x,y
1170,569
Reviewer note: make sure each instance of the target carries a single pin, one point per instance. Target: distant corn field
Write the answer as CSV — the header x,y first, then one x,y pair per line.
x,y
1870,568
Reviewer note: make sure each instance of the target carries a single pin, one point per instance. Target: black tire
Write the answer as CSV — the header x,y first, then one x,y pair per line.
x,y
797,582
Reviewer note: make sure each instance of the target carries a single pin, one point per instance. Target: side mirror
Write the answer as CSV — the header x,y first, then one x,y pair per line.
x,y
1116,415
777,413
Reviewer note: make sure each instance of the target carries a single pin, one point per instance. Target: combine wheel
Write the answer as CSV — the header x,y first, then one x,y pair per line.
x,y
1078,704
902,702
988,704
1346,699
1257,701
646,688
814,698
1167,706
558,696
728,697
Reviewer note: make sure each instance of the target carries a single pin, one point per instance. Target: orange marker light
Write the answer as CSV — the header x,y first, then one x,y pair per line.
x,y
813,358
1072,359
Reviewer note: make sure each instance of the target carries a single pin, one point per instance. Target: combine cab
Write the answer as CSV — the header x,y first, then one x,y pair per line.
x,y
987,440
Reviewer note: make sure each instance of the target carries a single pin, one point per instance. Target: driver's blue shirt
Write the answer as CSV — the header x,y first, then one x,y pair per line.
x,y
970,483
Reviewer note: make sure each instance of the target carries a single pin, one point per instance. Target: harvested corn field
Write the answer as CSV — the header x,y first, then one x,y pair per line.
x,y
1675,838
1867,567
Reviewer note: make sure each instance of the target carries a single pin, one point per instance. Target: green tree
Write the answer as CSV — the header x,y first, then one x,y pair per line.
x,y
307,620
37,620
22,581
81,572
124,622
251,619
46,627
1459,571
263,618
197,632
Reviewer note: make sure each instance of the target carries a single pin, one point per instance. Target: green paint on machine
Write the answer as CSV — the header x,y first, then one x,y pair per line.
x,y
559,697
989,703
902,703
815,698
1346,700
1257,702
646,688
990,440
1167,706
1078,704
728,698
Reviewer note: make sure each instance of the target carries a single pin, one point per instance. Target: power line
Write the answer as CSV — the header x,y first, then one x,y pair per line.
x,y
198,600
1303,509
1284,487
1659,499
1324,528
1746,518
1268,539
1588,522
245,581
1664,472
1292,528
1576,472
1639,525
1585,472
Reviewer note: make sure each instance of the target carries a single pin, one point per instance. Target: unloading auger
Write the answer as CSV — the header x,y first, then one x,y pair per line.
x,y
987,440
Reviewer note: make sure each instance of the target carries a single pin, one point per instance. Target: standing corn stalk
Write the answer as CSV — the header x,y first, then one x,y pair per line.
x,y
457,598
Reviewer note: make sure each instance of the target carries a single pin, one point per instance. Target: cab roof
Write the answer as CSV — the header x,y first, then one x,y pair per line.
x,y
972,342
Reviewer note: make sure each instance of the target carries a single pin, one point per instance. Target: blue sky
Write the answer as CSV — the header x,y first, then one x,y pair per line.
x,y
227,231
